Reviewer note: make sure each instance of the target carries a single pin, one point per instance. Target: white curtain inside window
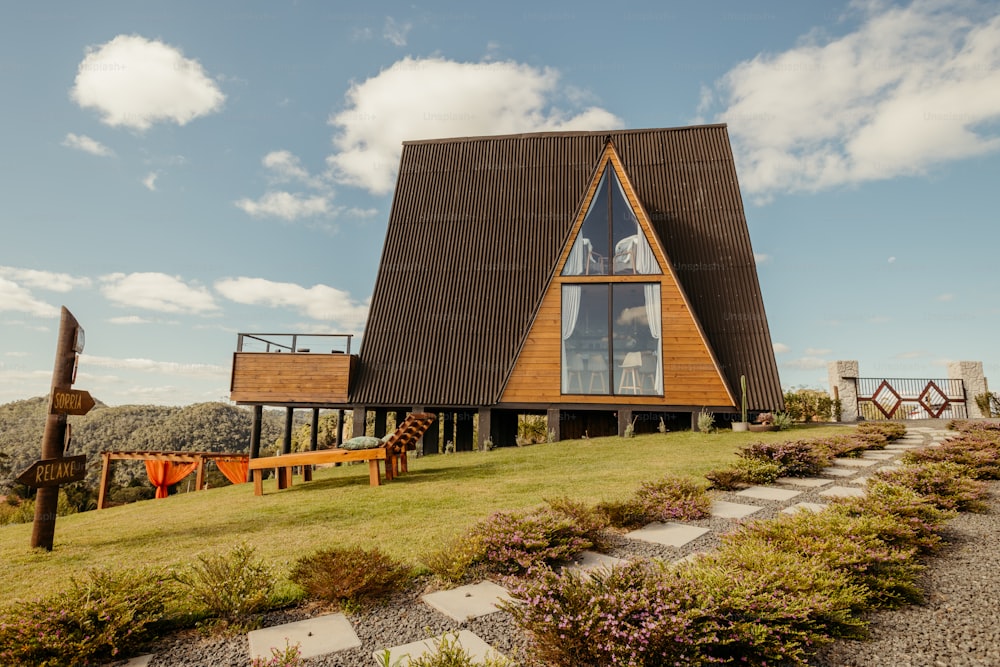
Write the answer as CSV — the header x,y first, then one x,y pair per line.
x,y
570,313
645,260
577,254
653,318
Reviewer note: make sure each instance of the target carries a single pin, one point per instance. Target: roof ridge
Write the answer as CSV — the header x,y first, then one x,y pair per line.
x,y
567,133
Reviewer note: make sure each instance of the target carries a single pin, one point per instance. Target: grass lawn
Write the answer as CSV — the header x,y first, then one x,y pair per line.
x,y
440,498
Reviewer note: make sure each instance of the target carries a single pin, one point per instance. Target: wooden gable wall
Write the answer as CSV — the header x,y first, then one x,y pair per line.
x,y
691,375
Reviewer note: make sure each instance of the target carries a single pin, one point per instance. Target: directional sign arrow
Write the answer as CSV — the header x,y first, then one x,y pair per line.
x,y
53,472
71,402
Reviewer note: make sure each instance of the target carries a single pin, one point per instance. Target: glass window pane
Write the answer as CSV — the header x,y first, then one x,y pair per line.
x,y
585,340
589,255
636,344
632,254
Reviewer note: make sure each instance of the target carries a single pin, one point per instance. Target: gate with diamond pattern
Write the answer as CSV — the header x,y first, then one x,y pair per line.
x,y
907,398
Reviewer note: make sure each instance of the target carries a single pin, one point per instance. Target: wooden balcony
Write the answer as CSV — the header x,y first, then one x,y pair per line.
x,y
276,369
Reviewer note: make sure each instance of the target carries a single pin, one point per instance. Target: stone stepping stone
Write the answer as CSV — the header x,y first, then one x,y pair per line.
x,y
878,456
473,645
668,534
467,602
854,463
586,562
809,482
726,510
804,507
860,480
902,448
315,636
839,471
843,492
768,493
140,661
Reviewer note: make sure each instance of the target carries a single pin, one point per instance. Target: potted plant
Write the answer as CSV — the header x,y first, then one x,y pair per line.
x,y
765,422
742,425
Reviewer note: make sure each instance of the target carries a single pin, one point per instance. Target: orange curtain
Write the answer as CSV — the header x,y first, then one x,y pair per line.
x,y
162,474
234,469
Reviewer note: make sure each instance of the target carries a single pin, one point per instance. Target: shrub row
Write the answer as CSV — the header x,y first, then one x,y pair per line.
x,y
771,594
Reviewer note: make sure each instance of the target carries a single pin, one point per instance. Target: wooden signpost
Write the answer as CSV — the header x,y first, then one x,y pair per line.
x,y
54,468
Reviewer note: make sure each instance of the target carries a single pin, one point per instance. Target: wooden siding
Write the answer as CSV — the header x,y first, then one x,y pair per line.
x,y
691,374
309,379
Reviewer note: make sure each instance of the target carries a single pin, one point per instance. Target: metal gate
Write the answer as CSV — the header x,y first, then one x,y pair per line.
x,y
907,398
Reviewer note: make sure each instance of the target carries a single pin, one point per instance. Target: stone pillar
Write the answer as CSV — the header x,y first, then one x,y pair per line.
x,y
971,374
485,428
842,375
359,416
624,419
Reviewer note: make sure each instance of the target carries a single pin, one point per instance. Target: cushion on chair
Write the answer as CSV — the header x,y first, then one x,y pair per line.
x,y
362,442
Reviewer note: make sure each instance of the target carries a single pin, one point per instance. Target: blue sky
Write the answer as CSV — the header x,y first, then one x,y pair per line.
x,y
177,173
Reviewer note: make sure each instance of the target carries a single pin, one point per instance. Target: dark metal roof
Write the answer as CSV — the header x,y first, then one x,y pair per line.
x,y
477,225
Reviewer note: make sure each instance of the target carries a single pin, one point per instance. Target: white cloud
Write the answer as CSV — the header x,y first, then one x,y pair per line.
x,y
150,180
152,366
156,291
319,302
945,297
892,260
47,280
396,32
805,363
780,348
286,205
82,142
817,351
432,98
129,319
911,87
134,82
15,298
286,167
761,258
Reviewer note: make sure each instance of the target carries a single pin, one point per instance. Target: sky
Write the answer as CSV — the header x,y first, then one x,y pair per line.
x,y
177,173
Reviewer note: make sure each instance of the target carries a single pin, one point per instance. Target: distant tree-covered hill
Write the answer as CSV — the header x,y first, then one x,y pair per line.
x,y
212,427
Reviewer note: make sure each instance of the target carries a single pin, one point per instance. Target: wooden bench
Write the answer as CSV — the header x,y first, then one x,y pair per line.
x,y
392,452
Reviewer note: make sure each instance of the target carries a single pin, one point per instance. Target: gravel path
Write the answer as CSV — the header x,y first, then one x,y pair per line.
x,y
959,624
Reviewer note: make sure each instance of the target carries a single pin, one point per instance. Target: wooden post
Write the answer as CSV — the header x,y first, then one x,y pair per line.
x,y
485,428
464,428
360,415
255,425
307,470
285,474
199,475
624,418
102,492
340,427
552,418
54,438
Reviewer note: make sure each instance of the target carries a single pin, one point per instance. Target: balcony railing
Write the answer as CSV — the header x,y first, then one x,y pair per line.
x,y
294,343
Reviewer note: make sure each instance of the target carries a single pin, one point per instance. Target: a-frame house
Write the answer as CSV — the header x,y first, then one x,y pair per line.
x,y
600,278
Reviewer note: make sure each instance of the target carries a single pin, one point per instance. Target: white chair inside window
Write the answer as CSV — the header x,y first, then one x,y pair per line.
x,y
631,381
598,367
625,251
574,371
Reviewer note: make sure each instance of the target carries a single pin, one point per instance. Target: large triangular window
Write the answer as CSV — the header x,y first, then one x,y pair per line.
x,y
610,241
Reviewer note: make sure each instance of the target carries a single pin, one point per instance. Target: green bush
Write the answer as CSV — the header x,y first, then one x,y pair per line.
x,y
674,499
591,521
629,513
798,458
231,585
979,455
518,542
445,652
766,606
850,544
350,576
946,484
457,560
890,430
102,616
916,519
808,405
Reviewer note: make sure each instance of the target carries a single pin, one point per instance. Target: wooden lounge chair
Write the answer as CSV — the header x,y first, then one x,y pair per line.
x,y
392,451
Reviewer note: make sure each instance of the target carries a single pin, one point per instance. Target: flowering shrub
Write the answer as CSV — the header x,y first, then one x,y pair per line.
x,y
850,544
517,542
591,521
230,585
674,499
349,576
100,617
446,652
916,518
744,472
629,615
456,560
945,484
628,513
839,445
978,453
798,458
771,607
889,430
